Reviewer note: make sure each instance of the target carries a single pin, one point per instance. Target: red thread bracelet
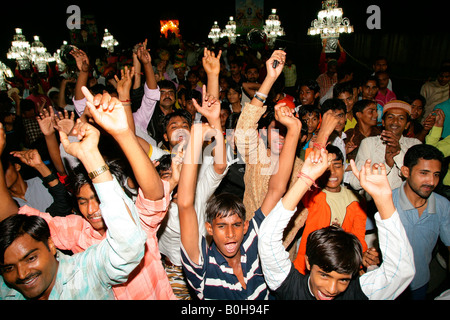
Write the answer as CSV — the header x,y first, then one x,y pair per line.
x,y
301,174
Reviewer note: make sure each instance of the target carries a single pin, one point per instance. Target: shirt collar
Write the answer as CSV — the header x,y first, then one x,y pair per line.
x,y
405,204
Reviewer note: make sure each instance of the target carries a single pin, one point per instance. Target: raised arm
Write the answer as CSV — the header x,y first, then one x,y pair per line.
x,y
7,205
123,89
279,180
210,109
110,114
122,250
397,269
211,64
275,261
189,229
83,65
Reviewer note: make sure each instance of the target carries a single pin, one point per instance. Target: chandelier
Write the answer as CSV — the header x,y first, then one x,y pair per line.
x,y
230,30
5,72
273,28
329,24
57,56
39,55
20,49
215,32
109,42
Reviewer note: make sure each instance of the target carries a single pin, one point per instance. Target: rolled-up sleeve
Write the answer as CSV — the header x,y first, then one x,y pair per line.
x,y
145,112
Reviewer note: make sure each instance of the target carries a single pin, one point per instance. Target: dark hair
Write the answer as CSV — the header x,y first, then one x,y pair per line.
x,y
344,70
421,151
335,150
18,225
342,87
306,109
224,205
333,104
235,86
311,84
266,118
167,84
410,98
177,113
360,105
165,162
27,105
333,249
370,78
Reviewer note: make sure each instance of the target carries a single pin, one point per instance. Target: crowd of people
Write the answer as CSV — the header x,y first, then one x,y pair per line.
x,y
191,173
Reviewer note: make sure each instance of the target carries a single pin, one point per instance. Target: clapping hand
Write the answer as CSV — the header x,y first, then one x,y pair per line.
x,y
210,107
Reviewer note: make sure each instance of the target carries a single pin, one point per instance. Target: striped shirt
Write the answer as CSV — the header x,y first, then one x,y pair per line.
x,y
213,278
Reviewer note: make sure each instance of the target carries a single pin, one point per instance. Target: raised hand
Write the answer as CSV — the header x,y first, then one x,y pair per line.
x,y
46,121
373,179
210,108
211,62
81,59
143,53
108,112
88,144
30,157
285,116
65,122
280,56
316,169
124,83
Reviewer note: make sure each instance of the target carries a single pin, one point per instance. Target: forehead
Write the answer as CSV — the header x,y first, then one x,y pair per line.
x,y
432,165
20,248
396,112
178,120
86,191
371,83
230,218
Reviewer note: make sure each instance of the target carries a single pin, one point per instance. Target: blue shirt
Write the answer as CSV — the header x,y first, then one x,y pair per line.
x,y
445,106
423,231
214,278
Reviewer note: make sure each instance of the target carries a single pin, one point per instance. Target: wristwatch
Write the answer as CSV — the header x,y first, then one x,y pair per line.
x,y
97,172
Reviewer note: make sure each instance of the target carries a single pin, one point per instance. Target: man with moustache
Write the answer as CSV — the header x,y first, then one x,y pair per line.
x,y
390,146
425,215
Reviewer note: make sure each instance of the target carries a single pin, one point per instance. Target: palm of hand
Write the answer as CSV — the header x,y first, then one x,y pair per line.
x,y
46,125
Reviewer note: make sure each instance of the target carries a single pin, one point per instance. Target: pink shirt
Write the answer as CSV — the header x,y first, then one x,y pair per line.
x,y
149,280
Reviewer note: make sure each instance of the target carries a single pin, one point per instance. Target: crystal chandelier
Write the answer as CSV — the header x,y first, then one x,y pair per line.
x,y
109,42
57,56
215,32
230,30
273,28
329,24
39,55
20,49
5,72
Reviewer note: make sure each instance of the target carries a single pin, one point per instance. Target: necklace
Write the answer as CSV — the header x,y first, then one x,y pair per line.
x,y
426,200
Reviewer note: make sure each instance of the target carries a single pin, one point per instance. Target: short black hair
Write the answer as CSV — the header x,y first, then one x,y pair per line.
x,y
333,249
177,113
224,205
333,104
18,225
360,105
421,151
335,150
342,87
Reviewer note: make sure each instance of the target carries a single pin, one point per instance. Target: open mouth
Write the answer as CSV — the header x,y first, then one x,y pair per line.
x,y
322,296
95,217
230,247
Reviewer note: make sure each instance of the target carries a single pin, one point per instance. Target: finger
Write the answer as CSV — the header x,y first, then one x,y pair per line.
x,y
354,169
104,102
64,140
87,94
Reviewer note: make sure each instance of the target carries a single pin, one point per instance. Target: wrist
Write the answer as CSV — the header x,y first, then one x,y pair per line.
x,y
91,159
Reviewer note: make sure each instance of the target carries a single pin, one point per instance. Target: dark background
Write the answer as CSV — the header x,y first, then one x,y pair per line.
x,y
415,37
